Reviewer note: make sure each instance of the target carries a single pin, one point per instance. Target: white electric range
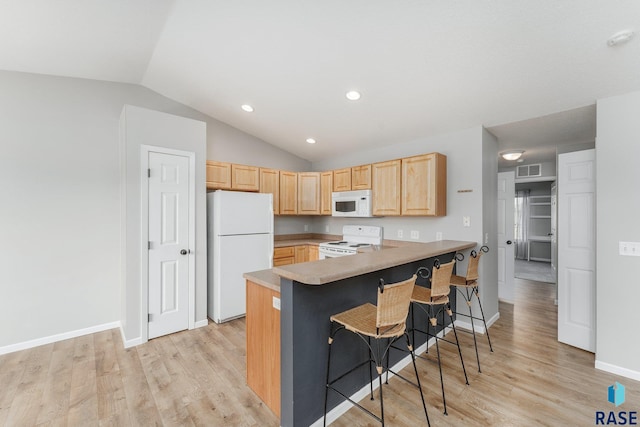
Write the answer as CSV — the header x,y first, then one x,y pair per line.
x,y
353,237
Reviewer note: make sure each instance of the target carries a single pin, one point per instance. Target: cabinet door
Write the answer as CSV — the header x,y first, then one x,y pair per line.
x,y
245,178
288,193
342,179
313,253
326,187
218,175
361,177
309,193
270,183
386,187
302,254
424,185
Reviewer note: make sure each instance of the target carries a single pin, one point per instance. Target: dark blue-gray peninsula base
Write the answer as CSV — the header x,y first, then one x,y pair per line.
x,y
311,293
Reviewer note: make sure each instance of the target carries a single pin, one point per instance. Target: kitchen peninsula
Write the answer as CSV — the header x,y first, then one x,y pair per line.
x,y
307,294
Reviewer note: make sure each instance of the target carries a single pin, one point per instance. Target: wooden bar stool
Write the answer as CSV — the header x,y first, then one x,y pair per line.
x,y
434,301
467,286
384,323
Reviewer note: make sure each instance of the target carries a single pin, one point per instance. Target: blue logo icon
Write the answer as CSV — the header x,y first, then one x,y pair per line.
x,y
616,394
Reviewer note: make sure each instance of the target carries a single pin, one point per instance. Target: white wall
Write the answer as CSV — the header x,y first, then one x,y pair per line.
x,y
618,204
471,165
59,220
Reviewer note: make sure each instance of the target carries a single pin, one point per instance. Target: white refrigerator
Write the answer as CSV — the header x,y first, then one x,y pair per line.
x,y
240,240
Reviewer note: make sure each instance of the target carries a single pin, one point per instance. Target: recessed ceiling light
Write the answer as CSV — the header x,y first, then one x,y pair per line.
x,y
353,95
512,154
311,140
620,37
248,108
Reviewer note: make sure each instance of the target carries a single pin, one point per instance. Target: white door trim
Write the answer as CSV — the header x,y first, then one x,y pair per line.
x,y
144,235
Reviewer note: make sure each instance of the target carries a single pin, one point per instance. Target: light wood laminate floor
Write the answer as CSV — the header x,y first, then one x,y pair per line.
x,y
198,378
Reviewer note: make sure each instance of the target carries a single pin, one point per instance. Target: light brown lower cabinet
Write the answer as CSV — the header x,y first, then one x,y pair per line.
x,y
313,253
263,344
284,256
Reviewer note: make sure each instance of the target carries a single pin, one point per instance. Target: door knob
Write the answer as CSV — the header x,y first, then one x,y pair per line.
x,y
183,252
509,242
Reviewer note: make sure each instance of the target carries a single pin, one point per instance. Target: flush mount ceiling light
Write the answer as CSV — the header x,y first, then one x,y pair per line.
x,y
620,38
311,140
353,95
248,108
512,154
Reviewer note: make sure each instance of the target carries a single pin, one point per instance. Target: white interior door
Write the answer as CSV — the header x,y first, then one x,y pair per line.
x,y
577,249
168,243
506,199
554,227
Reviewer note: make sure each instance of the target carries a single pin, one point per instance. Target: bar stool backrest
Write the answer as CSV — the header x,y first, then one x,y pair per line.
x,y
440,279
393,303
472,267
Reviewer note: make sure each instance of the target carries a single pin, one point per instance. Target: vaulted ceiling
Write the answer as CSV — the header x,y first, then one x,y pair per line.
x,y
423,67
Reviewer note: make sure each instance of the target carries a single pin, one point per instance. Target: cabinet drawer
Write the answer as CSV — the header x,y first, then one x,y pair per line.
x,y
283,261
288,251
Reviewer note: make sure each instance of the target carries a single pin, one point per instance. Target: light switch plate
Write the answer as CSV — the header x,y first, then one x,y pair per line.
x,y
276,303
400,233
630,248
438,235
415,234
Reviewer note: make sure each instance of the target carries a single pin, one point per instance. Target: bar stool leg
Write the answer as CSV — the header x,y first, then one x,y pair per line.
x,y
326,388
473,327
435,335
455,334
370,361
415,369
483,319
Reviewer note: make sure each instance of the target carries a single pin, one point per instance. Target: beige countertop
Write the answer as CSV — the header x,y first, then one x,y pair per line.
x,y
296,242
368,260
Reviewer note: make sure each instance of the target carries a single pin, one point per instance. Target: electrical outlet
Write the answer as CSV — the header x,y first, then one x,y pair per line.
x,y
276,303
486,238
326,228
400,233
306,227
466,221
415,234
438,235
630,248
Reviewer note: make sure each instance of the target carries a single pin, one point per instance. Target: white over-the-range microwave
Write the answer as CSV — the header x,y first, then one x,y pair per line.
x,y
356,203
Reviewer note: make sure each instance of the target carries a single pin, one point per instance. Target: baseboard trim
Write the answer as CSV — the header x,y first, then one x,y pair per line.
x,y
342,408
508,301
129,343
466,325
201,323
58,337
618,370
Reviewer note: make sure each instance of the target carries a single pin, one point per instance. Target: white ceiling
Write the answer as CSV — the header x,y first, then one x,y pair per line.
x,y
424,67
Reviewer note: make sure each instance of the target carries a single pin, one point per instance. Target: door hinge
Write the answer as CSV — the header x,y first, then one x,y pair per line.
x,y
148,173
149,245
150,317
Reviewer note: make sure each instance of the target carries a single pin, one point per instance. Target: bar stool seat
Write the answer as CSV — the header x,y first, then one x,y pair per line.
x,y
362,320
384,323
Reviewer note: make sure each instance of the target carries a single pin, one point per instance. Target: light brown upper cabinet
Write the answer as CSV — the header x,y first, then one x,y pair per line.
x,y
309,193
270,183
245,178
288,193
218,175
386,187
424,185
326,187
361,177
342,179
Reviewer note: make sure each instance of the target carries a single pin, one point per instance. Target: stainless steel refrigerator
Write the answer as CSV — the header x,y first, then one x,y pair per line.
x,y
240,240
